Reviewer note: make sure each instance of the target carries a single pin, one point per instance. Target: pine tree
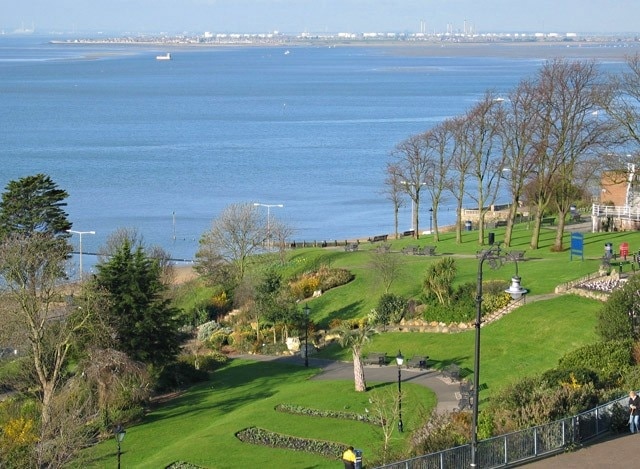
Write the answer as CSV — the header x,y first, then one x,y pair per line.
x,y
144,322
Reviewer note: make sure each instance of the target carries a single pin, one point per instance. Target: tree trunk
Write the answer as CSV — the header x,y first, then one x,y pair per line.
x,y
358,371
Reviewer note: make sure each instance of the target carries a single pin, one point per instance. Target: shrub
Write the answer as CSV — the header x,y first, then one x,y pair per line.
x,y
608,359
180,374
259,436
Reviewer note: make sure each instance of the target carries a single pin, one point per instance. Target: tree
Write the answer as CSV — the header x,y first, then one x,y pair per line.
x,y
33,251
355,338
439,279
387,266
411,167
226,249
34,204
144,323
393,192
619,318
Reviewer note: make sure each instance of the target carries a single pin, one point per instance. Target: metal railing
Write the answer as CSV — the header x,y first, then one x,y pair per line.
x,y
524,445
626,212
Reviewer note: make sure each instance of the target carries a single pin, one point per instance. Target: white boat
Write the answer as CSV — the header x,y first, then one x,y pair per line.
x,y
166,56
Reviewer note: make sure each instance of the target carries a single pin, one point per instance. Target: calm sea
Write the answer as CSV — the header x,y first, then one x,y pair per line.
x,y
164,146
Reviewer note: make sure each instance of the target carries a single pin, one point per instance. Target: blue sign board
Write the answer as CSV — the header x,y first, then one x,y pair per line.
x,y
577,245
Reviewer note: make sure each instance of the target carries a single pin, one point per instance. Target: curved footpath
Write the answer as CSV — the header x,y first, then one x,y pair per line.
x,y
444,388
611,451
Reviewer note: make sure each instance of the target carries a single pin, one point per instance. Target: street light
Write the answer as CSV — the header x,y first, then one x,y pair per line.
x,y
306,310
268,219
516,291
119,433
416,187
80,233
400,361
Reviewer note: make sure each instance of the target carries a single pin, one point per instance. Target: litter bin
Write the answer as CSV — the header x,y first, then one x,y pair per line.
x,y
358,464
468,225
492,238
624,250
608,250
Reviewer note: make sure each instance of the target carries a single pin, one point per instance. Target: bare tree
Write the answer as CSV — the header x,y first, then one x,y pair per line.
x,y
225,249
486,166
461,164
280,233
393,192
387,267
439,144
568,94
411,166
30,266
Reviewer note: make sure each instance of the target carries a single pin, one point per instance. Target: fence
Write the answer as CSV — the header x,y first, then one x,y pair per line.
x,y
525,445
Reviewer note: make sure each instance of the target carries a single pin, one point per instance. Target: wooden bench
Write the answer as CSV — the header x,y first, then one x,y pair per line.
x,y
378,238
548,221
408,233
500,223
351,247
516,255
418,361
410,250
375,358
428,251
452,371
386,247
576,218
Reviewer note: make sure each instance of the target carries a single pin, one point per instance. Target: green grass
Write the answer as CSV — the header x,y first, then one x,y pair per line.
x,y
200,425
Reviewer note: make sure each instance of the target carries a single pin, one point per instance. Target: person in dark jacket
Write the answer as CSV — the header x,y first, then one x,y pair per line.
x,y
634,412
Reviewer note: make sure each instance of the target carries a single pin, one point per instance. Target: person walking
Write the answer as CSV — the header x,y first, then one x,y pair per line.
x,y
634,412
349,458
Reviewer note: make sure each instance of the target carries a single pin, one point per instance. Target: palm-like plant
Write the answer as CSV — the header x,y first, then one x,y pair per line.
x,y
355,337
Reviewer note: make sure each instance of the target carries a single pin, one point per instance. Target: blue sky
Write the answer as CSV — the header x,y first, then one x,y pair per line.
x,y
289,16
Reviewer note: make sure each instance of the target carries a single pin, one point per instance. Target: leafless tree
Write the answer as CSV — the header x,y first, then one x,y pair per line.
x,y
387,267
280,233
461,164
32,283
393,191
411,166
225,250
568,94
439,144
135,239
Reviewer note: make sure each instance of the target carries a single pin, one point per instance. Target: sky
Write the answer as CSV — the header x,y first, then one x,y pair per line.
x,y
320,16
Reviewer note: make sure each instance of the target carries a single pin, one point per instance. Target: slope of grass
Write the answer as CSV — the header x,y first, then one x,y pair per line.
x,y
200,425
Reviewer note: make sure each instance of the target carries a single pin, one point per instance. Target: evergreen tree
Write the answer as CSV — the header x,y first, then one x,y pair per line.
x,y
145,325
33,204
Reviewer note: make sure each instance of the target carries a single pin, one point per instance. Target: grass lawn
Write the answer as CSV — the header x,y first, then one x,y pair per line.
x,y
200,425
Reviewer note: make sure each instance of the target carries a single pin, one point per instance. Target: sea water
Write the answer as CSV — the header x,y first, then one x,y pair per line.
x,y
165,146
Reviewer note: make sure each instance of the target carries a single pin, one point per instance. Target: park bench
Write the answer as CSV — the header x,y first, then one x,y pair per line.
x,y
410,249
451,371
516,255
386,247
576,218
548,221
375,358
351,247
418,361
378,238
427,251
500,223
408,233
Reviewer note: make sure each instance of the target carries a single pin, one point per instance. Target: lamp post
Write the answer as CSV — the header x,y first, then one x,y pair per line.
x,y
119,433
400,361
306,310
80,233
493,256
414,206
268,219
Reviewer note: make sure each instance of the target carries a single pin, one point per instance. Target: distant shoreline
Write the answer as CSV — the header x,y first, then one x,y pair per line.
x,y
611,50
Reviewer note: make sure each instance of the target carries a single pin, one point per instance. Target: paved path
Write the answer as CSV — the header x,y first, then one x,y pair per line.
x,y
444,388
